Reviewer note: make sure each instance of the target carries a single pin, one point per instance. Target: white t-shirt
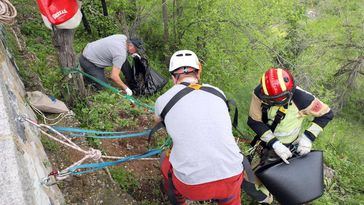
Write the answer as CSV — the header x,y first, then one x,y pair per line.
x,y
204,149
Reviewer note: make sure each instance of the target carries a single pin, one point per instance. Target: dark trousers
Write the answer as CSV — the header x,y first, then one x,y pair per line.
x,y
90,68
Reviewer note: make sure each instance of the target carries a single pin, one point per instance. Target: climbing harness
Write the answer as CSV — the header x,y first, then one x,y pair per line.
x,y
77,69
280,115
78,168
189,88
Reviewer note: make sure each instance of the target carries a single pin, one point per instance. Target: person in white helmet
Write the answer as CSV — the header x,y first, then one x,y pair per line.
x,y
205,162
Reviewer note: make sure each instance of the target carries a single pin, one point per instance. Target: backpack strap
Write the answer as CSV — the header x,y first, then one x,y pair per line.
x,y
170,192
236,114
280,115
265,108
156,127
189,88
174,100
180,94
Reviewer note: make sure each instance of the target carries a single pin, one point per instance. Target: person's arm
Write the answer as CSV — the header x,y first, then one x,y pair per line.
x,y
257,125
263,131
115,76
309,105
157,111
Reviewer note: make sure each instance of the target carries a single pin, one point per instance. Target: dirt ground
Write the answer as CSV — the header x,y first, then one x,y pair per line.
x,y
98,187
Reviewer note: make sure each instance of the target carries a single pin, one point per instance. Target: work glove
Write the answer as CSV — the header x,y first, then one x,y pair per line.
x,y
282,151
304,145
128,91
136,55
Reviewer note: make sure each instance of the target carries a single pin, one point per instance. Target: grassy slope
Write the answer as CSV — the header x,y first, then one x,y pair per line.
x,y
343,144
341,141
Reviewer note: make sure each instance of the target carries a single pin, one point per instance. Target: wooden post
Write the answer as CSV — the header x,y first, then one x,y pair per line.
x,y
63,42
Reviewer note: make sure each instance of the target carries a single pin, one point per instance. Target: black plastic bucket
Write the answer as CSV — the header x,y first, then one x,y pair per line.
x,y
299,182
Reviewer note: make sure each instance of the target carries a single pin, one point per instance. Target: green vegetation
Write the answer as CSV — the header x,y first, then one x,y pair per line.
x,y
237,40
49,145
343,146
106,111
125,179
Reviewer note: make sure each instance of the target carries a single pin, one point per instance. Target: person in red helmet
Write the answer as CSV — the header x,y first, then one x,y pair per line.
x,y
277,110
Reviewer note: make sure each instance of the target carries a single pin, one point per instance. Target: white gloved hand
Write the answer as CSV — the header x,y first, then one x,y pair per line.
x,y
136,55
304,145
128,91
282,151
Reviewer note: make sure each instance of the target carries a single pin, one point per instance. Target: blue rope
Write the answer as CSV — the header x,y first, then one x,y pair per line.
x,y
97,166
80,130
127,135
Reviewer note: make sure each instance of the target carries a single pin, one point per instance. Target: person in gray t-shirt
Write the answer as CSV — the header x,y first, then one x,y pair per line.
x,y
109,51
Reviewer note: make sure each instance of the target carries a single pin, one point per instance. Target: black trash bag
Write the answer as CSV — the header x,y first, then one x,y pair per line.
x,y
148,81
153,82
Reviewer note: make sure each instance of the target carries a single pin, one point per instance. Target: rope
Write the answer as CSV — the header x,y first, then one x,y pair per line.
x,y
58,119
67,70
80,130
104,135
93,154
87,168
7,12
129,135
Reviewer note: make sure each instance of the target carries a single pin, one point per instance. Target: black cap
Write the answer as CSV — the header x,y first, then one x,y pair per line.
x,y
137,43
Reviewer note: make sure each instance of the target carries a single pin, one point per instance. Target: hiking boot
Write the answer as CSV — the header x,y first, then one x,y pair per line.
x,y
267,200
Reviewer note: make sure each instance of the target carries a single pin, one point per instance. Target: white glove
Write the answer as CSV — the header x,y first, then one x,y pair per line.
x,y
304,145
128,91
136,55
282,151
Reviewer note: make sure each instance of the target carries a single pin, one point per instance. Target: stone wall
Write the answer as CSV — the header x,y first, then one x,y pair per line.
x,y
23,162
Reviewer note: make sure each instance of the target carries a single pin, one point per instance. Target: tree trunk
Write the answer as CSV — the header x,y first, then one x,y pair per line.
x,y
120,15
166,32
179,13
63,42
104,8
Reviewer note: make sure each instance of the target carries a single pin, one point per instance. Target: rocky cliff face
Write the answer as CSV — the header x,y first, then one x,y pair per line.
x,y
23,162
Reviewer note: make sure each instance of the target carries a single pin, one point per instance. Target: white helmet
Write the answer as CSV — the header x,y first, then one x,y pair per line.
x,y
183,58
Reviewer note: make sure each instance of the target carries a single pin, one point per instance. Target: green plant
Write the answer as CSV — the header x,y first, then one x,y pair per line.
x,y
125,179
49,145
107,111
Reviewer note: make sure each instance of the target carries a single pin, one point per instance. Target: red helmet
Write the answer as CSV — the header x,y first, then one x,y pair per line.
x,y
277,86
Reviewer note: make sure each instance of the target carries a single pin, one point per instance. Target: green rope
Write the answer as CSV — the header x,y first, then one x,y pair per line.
x,y
68,70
